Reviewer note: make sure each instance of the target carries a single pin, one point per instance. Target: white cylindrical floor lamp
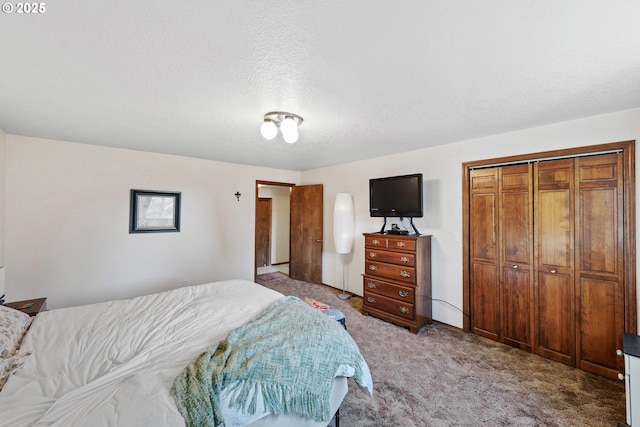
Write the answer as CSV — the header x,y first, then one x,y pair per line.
x,y
343,230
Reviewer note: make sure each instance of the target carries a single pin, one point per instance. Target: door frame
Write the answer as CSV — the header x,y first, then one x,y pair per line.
x,y
255,235
629,213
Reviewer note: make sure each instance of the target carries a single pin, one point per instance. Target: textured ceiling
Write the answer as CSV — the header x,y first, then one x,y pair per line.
x,y
369,77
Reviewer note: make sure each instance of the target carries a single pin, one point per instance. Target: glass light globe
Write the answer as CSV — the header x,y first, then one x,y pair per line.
x,y
291,136
269,130
288,125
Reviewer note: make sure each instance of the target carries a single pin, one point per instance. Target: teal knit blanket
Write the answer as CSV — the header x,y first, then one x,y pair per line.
x,y
289,354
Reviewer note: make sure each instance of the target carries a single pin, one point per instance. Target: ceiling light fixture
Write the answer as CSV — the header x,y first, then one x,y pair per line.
x,y
287,122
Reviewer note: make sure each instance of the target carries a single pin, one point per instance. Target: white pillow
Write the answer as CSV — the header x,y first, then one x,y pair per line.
x,y
13,326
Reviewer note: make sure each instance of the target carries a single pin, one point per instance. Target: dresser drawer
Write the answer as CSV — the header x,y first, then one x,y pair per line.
x,y
396,272
401,244
389,305
390,257
376,241
402,293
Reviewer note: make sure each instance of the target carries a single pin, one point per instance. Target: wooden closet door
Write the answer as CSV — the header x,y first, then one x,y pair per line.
x,y
516,256
555,322
599,263
484,290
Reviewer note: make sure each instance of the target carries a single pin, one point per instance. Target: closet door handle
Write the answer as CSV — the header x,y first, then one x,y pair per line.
x,y
554,271
515,267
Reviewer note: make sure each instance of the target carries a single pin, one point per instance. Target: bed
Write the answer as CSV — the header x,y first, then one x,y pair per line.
x,y
116,363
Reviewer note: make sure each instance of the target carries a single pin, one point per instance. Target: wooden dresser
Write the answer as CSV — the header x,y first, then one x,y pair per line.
x,y
397,279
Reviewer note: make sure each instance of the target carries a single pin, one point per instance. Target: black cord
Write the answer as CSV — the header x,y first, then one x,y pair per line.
x,y
449,304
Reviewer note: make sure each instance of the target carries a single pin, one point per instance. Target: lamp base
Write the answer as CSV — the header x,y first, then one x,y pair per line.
x,y
344,296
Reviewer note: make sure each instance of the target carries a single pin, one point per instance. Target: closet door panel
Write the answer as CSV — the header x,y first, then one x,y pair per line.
x,y
516,223
484,290
600,268
555,316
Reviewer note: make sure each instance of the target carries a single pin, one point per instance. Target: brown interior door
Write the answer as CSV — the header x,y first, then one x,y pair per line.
x,y
263,232
305,258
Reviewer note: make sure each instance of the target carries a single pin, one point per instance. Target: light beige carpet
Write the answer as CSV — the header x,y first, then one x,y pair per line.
x,y
444,377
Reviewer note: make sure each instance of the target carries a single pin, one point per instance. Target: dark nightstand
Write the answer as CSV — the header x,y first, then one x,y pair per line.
x,y
29,306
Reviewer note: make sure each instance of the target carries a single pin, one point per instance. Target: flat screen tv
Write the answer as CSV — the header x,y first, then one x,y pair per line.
x,y
396,196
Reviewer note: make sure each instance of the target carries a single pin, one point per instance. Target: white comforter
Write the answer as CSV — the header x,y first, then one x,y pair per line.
x,y
113,363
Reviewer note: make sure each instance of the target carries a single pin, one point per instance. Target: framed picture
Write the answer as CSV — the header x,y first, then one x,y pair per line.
x,y
154,212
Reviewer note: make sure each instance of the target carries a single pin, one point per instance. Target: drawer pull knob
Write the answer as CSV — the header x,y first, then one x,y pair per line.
x,y
404,310
373,267
619,352
401,244
620,376
404,259
515,267
371,300
372,255
405,274
403,293
371,285
375,241
554,271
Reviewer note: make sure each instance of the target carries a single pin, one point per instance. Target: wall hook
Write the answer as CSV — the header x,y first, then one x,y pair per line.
x,y
238,195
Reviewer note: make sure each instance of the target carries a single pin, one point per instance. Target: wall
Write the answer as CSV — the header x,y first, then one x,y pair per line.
x,y
442,170
67,212
3,147
280,198
67,221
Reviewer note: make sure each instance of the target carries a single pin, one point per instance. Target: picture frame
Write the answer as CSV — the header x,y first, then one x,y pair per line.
x,y
154,211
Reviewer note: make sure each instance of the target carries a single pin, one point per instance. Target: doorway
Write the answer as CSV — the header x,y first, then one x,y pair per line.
x,y
272,227
296,238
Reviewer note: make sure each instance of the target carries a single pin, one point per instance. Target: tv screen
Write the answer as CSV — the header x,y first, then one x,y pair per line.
x,y
396,196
